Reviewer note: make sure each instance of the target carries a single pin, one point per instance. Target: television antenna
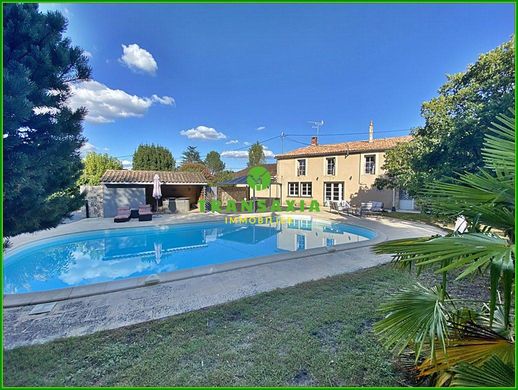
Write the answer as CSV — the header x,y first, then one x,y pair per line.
x,y
316,125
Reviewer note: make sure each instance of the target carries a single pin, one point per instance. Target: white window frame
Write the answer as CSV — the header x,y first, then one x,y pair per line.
x,y
365,157
335,191
297,187
297,166
306,184
306,224
326,166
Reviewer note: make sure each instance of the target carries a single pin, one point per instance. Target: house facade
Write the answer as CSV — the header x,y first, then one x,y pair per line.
x,y
342,171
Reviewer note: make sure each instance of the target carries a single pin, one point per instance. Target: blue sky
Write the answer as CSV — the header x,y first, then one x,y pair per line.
x,y
219,76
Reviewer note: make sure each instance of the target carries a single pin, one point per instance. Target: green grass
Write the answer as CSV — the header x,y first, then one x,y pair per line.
x,y
317,333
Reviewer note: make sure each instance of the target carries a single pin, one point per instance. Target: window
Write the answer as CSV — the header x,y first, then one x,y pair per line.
x,y
301,242
293,189
306,224
330,241
330,166
370,165
306,189
293,223
301,167
333,191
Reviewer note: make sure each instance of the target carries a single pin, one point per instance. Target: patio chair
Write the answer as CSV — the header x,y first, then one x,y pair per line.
x,y
374,206
123,215
144,213
341,207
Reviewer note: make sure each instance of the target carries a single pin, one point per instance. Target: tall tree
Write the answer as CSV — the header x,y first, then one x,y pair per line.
x,y
95,164
191,155
153,157
256,155
214,163
455,123
42,135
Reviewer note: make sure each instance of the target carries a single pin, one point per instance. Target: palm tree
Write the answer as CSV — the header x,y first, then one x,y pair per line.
x,y
461,342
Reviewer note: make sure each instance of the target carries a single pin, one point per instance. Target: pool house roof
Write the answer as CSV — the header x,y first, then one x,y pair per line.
x,y
123,176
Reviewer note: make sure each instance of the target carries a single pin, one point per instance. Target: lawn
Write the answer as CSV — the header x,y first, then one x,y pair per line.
x,y
317,333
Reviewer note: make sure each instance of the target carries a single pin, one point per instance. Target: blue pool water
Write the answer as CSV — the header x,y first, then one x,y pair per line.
x,y
105,255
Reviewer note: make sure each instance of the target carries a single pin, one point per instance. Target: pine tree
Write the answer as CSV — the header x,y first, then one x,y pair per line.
x,y
191,155
42,136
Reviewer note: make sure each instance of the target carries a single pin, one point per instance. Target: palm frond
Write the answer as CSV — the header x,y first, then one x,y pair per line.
x,y
499,151
495,320
470,343
471,251
414,317
493,373
486,197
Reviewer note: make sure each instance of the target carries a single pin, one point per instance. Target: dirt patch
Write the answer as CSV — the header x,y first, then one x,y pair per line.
x,y
234,315
302,378
366,326
329,334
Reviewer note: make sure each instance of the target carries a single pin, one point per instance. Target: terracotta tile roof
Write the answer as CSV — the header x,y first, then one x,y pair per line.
x,y
112,176
272,168
377,145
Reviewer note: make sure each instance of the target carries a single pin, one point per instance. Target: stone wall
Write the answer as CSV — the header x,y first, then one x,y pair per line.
x,y
232,193
94,197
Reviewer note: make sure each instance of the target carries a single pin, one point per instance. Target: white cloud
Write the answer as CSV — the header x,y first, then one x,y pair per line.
x,y
167,100
104,104
42,110
235,153
203,133
268,153
138,59
261,128
87,148
244,153
247,143
127,164
231,142
87,54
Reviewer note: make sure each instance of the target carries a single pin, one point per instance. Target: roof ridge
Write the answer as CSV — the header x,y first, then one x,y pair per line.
x,y
348,146
146,176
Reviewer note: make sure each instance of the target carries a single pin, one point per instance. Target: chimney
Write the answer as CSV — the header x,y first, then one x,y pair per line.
x,y
371,131
314,141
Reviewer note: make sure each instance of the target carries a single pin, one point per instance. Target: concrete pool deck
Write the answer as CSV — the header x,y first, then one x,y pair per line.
x,y
194,290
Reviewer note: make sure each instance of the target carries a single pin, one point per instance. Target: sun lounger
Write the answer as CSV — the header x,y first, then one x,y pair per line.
x,y
375,207
123,215
144,213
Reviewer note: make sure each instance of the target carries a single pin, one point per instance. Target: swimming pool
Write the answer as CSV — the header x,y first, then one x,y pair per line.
x,y
108,255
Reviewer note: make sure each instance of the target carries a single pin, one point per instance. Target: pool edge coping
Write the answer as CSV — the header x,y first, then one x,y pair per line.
x,y
27,299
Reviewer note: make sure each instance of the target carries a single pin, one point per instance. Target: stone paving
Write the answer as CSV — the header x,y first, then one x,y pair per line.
x,y
81,316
